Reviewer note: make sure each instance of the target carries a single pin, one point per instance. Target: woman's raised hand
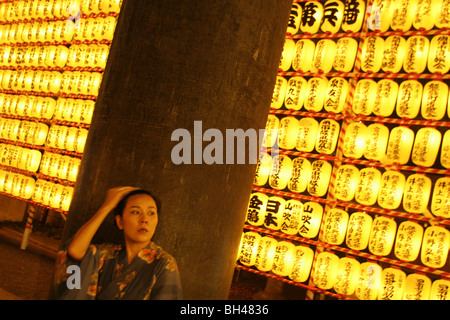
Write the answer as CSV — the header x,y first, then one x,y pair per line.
x,y
114,195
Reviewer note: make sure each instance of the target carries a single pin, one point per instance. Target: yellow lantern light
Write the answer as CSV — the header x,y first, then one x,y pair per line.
x,y
271,131
335,226
315,94
320,178
354,13
66,198
256,209
324,56
274,212
80,140
426,13
435,246
392,185
303,55
15,185
445,150
443,17
2,179
69,143
265,253
53,136
416,56
325,270
75,56
369,282
55,196
294,19
295,93
90,6
108,28
301,171
333,16
86,110
63,165
73,168
95,30
279,92
392,284
409,99
403,15
347,177
8,182
426,146
376,141
408,241
368,186
400,144
440,203
364,97
434,100
262,169
336,95
307,133
417,193
287,55
347,276
110,5
417,287
440,290
439,55
283,259
291,217
280,172
248,248
311,17
26,189
327,137
372,54
40,134
30,160
83,83
287,135
311,219
358,231
355,140
393,54
302,260
40,188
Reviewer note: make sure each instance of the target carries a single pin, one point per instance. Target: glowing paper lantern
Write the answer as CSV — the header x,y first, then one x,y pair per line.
x,y
434,100
347,276
400,144
369,282
69,142
90,6
335,226
271,131
303,55
358,231
445,150
354,13
417,193
302,260
282,262
274,213
294,19
382,236
41,189
416,56
376,141
336,95
435,246
324,56
280,172
63,165
108,6
307,134
408,241
325,270
72,169
440,203
355,140
439,55
392,284
301,171
265,253
426,146
248,248
347,177
86,111
263,169
372,54
30,160
443,18
393,54
364,97
327,136
333,16
368,186
295,93
315,94
287,135
256,209
108,28
311,17
440,290
426,12
417,287
24,188
279,92
320,178
392,184
291,217
311,219
287,55
403,15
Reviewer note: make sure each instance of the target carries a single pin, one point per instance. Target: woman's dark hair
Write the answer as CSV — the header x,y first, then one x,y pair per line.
x,y
118,210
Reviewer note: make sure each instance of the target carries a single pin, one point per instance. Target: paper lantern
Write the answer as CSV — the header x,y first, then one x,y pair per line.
x,y
358,231
86,111
108,28
295,93
372,54
347,177
274,212
320,178
417,287
426,146
63,165
76,55
392,185
283,259
435,246
368,186
354,13
333,16
55,196
256,209
271,131
110,5
364,97
287,55
73,168
279,92
302,260
408,241
307,134
90,6
400,144
347,276
30,160
294,19
440,290
376,141
40,134
335,226
24,188
291,217
303,55
324,56
311,219
382,236
325,270
336,95
248,248
315,94
439,54
69,142
440,203
443,18
355,140
301,171
425,14
280,172
262,169
393,54
80,140
416,56
392,284
287,135
445,150
2,179
265,253
311,17
369,282
403,15
9,181
434,100
327,137
417,193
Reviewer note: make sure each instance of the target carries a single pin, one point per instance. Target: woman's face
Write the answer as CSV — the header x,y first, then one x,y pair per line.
x,y
139,218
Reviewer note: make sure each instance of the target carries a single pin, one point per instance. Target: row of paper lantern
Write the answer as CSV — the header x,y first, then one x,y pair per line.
x,y
346,275
58,31
66,109
348,16
13,11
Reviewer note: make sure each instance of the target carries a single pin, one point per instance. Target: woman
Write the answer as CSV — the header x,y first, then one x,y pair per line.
x,y
138,270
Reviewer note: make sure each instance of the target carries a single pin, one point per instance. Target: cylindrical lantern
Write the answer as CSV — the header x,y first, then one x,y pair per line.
x,y
382,236
355,140
248,248
265,253
263,169
323,56
354,14
256,209
294,19
315,94
409,99
327,136
417,193
283,259
335,226
439,55
301,171
274,212
271,131
86,111
426,146
440,203
416,56
426,14
311,17
295,93
358,231
320,178
434,100
41,190
403,15
347,177
63,165
304,55
80,140
336,95
333,16
417,287
310,220
393,55
376,141
30,160
347,276
400,144
307,134
54,198
372,54
325,270
346,50
385,97
66,198
445,150
368,186
287,55
279,92
443,18
369,282
440,290
302,260
364,97
408,241
287,134
291,217
435,246
392,185
280,172
392,284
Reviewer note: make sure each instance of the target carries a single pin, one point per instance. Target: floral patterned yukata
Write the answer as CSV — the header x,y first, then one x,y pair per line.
x,y
106,274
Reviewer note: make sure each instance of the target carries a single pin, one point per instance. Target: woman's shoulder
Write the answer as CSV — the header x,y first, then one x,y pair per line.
x,y
107,250
154,252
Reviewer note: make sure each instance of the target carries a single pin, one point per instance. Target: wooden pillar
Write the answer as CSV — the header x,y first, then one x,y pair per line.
x,y
173,63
